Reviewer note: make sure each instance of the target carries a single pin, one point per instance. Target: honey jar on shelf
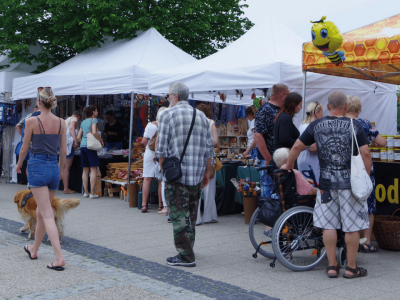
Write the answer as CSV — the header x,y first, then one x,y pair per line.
x,y
375,154
390,154
384,154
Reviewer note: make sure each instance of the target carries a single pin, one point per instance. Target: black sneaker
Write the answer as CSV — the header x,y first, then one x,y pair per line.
x,y
176,261
169,219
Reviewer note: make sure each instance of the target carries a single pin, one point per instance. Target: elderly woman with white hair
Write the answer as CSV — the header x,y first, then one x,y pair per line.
x,y
353,112
303,186
309,157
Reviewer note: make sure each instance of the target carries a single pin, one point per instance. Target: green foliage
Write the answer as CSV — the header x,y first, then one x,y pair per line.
x,y
66,27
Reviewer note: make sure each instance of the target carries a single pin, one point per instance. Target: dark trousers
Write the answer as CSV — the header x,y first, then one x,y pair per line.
x,y
183,202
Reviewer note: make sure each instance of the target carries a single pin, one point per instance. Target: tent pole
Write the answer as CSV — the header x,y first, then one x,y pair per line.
x,y
130,137
10,155
87,100
304,93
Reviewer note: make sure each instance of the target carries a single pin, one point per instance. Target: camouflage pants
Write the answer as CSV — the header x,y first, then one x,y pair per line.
x,y
183,201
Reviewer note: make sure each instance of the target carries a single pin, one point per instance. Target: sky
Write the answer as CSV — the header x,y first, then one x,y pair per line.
x,y
346,14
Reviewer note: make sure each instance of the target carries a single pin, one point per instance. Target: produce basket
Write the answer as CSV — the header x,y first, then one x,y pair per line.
x,y
387,231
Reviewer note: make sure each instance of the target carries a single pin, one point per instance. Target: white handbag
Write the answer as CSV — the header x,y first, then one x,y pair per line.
x,y
92,142
361,185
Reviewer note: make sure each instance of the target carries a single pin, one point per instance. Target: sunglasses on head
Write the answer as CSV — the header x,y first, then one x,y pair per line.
x,y
41,88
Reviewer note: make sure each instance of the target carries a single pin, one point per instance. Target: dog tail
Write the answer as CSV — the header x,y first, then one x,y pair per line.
x,y
67,204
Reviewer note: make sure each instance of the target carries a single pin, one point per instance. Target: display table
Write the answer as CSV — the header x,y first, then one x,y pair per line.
x,y
225,191
386,187
75,172
242,173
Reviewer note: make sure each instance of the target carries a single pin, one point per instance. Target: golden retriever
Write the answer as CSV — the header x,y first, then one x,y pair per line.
x,y
28,212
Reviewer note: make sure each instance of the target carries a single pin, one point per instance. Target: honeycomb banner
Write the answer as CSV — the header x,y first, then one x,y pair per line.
x,y
372,52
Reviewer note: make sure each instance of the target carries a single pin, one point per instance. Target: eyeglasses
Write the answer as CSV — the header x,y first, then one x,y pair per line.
x,y
41,88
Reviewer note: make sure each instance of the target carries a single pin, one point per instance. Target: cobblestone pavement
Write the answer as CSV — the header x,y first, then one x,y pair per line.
x,y
119,275
117,252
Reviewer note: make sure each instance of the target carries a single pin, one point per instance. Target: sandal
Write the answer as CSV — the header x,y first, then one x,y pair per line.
x,y
335,268
357,272
29,252
160,208
55,268
69,192
368,249
144,208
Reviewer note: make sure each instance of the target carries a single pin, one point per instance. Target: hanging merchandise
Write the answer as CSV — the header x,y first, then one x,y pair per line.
x,y
1,113
10,112
327,38
241,112
27,104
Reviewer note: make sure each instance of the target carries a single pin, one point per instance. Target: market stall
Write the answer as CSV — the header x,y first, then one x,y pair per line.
x,y
371,53
267,54
117,68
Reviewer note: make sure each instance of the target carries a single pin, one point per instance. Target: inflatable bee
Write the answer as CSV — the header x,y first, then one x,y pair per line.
x,y
327,38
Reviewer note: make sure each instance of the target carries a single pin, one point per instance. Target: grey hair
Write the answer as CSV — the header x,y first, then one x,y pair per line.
x,y
353,104
280,156
337,100
181,89
160,112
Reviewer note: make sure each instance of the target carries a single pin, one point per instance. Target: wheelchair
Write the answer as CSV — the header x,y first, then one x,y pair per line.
x,y
295,242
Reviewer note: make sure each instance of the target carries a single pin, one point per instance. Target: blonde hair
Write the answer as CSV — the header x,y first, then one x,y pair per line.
x,y
311,109
46,96
160,112
353,104
280,156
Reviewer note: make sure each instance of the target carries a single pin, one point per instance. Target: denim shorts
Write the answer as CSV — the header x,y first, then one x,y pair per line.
x,y
72,153
89,158
43,171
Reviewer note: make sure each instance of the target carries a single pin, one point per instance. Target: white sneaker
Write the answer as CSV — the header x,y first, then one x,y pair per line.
x,y
93,196
86,195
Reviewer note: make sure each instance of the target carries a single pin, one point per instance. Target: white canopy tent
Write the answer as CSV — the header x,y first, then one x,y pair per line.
x,y
117,67
269,53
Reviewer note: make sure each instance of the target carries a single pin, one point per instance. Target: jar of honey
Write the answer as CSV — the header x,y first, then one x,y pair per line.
x,y
397,155
390,141
384,154
390,152
385,137
376,154
397,141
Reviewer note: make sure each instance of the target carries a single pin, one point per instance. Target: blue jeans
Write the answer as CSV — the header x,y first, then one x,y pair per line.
x,y
265,182
43,171
117,145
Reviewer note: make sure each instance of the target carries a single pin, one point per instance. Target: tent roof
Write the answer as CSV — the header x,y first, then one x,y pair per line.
x,y
14,70
372,52
117,67
252,61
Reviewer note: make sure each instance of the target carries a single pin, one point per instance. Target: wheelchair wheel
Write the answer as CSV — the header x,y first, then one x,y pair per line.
x,y
297,244
341,257
260,241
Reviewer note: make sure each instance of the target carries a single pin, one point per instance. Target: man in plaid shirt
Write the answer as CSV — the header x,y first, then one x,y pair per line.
x,y
183,195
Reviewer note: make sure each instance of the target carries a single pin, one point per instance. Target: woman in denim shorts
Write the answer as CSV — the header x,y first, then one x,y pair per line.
x,y
89,159
47,134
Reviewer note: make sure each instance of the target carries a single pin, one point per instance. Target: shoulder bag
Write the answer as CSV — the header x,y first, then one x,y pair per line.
x,y
361,185
92,142
152,142
172,165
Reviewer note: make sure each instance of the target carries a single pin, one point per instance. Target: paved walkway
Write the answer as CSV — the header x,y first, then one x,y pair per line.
x,y
116,252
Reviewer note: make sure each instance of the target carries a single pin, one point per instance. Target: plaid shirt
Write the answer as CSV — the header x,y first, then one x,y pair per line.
x,y
173,129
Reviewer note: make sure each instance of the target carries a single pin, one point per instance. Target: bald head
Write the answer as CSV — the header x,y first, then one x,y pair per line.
x,y
279,88
337,100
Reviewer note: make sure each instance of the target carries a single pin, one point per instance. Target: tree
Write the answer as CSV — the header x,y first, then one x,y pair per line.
x,y
64,28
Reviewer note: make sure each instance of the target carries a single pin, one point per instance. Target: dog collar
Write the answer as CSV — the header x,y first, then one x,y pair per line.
x,y
26,199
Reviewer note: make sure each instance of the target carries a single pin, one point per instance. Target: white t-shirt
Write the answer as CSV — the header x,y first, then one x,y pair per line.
x,y
150,130
250,135
69,120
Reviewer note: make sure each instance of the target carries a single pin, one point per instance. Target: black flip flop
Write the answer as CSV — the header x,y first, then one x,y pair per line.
x,y
55,268
29,252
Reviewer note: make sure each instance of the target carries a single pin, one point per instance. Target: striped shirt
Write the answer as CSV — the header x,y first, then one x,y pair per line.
x,y
173,129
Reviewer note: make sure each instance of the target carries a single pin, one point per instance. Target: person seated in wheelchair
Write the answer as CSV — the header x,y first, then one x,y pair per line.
x,y
304,187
